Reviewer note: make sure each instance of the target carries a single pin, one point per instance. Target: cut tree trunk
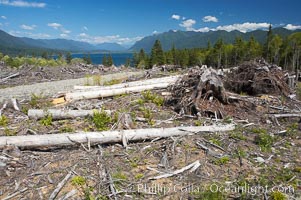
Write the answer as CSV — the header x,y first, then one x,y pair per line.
x,y
59,140
169,79
112,92
61,114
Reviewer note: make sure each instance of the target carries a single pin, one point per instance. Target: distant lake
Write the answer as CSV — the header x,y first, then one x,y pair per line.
x,y
118,58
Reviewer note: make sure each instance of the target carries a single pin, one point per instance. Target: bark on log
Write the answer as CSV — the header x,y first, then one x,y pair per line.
x,y
169,79
61,114
112,92
58,140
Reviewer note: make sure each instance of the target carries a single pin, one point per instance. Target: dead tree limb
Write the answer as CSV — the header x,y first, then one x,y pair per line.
x,y
68,139
58,114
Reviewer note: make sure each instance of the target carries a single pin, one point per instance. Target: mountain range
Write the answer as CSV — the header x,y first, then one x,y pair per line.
x,y
181,39
10,44
192,39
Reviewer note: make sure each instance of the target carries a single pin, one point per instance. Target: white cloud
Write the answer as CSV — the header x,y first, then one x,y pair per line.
x,y
55,25
85,28
176,17
110,38
210,19
155,32
245,27
3,17
29,34
204,29
28,27
292,27
187,24
65,31
21,3
63,35
83,35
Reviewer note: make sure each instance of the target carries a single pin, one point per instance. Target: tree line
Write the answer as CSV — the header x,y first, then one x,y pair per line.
x,y
285,52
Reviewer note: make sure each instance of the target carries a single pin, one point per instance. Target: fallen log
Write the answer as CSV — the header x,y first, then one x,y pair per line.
x,y
10,76
112,92
169,79
58,114
68,139
286,115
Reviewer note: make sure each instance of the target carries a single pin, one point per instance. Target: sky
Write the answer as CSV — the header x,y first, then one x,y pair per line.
x,y
127,21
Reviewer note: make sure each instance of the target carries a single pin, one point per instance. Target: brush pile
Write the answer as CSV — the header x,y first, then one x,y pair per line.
x,y
258,77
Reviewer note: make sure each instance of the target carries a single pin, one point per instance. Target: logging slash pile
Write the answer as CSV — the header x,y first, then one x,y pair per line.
x,y
203,90
200,91
258,77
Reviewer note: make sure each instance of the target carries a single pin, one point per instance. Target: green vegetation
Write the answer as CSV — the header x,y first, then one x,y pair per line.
x,y
224,53
278,196
112,82
221,161
83,186
107,60
96,79
208,195
153,98
101,120
263,139
3,120
47,120
148,115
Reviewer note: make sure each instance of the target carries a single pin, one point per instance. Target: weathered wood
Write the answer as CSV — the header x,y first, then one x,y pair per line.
x,y
10,76
61,114
68,139
112,92
286,115
169,79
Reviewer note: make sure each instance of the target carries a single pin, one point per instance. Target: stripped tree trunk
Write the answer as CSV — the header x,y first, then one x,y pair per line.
x,y
61,114
169,79
59,140
112,92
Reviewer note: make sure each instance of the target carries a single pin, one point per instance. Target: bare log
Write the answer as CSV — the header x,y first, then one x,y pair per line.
x,y
112,92
58,114
169,79
286,115
10,76
68,139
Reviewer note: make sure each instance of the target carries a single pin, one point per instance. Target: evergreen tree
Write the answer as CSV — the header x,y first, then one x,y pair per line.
x,y
44,55
87,59
105,60
110,61
157,54
68,58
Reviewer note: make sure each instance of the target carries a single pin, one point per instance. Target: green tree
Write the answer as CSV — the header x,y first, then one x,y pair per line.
x,y
87,59
275,46
105,60
295,45
238,53
44,55
128,62
68,57
157,54
253,49
110,60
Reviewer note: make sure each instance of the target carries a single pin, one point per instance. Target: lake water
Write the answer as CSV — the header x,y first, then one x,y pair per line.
x,y
118,58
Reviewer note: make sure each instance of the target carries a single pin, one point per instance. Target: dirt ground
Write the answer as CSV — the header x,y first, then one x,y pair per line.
x,y
260,159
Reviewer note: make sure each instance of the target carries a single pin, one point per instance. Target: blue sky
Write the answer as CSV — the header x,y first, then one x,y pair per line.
x,y
126,21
